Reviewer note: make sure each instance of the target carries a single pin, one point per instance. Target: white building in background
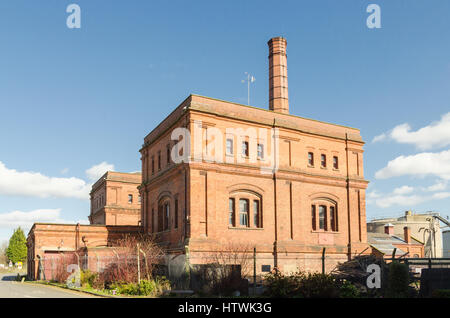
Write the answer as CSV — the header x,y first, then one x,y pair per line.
x,y
446,243
425,228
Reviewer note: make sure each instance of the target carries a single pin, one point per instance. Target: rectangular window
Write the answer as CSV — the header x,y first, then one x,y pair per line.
x,y
153,220
159,160
333,218
139,199
166,216
160,218
130,198
229,146
168,154
153,165
310,159
322,217
323,161
245,148
231,211
313,217
256,214
260,151
335,162
243,212
176,214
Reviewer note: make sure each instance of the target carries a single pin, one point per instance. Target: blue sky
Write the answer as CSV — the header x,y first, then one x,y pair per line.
x,y
78,99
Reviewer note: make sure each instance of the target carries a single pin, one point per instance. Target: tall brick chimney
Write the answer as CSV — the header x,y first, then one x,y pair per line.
x,y
407,234
278,82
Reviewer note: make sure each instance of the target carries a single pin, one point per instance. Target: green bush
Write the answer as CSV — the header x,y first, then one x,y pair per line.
x,y
398,280
280,285
90,279
348,290
441,293
153,287
319,286
311,285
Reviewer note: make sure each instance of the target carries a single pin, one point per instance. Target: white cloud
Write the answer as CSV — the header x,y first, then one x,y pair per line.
x,y
441,195
403,190
95,172
379,138
438,186
435,135
35,184
421,165
400,200
25,220
403,196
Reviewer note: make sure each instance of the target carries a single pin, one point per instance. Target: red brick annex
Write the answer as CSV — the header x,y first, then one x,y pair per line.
x,y
284,185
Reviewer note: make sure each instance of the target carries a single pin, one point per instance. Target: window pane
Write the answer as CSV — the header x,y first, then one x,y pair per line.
x,y
130,198
313,216
323,159
231,211
260,151
166,216
322,217
256,213
310,158
245,148
176,213
243,212
230,146
335,163
332,218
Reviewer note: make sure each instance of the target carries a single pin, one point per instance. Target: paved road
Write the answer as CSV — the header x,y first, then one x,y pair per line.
x,y
12,289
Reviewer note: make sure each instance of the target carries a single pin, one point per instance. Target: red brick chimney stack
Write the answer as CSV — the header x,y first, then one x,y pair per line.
x,y
407,234
278,82
389,229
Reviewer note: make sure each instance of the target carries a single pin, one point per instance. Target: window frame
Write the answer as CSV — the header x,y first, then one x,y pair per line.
x,y
335,163
323,160
245,151
311,159
244,215
229,151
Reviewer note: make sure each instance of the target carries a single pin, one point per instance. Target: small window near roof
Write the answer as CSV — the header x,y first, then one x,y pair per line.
x,y
310,159
245,148
229,146
335,162
323,161
130,198
260,151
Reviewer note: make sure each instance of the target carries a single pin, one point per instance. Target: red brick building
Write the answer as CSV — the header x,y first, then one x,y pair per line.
x,y
115,199
285,185
216,172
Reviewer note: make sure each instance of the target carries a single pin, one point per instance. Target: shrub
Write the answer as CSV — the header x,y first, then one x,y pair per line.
x,y
311,285
153,287
280,285
348,290
90,279
318,286
398,280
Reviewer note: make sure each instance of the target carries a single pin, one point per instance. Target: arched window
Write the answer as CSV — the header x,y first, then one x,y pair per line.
x,y
163,214
245,209
324,216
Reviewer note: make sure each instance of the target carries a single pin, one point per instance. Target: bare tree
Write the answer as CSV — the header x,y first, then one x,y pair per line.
x,y
3,247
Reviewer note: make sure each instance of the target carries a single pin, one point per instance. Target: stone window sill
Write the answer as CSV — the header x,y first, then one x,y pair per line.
x,y
245,228
322,231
